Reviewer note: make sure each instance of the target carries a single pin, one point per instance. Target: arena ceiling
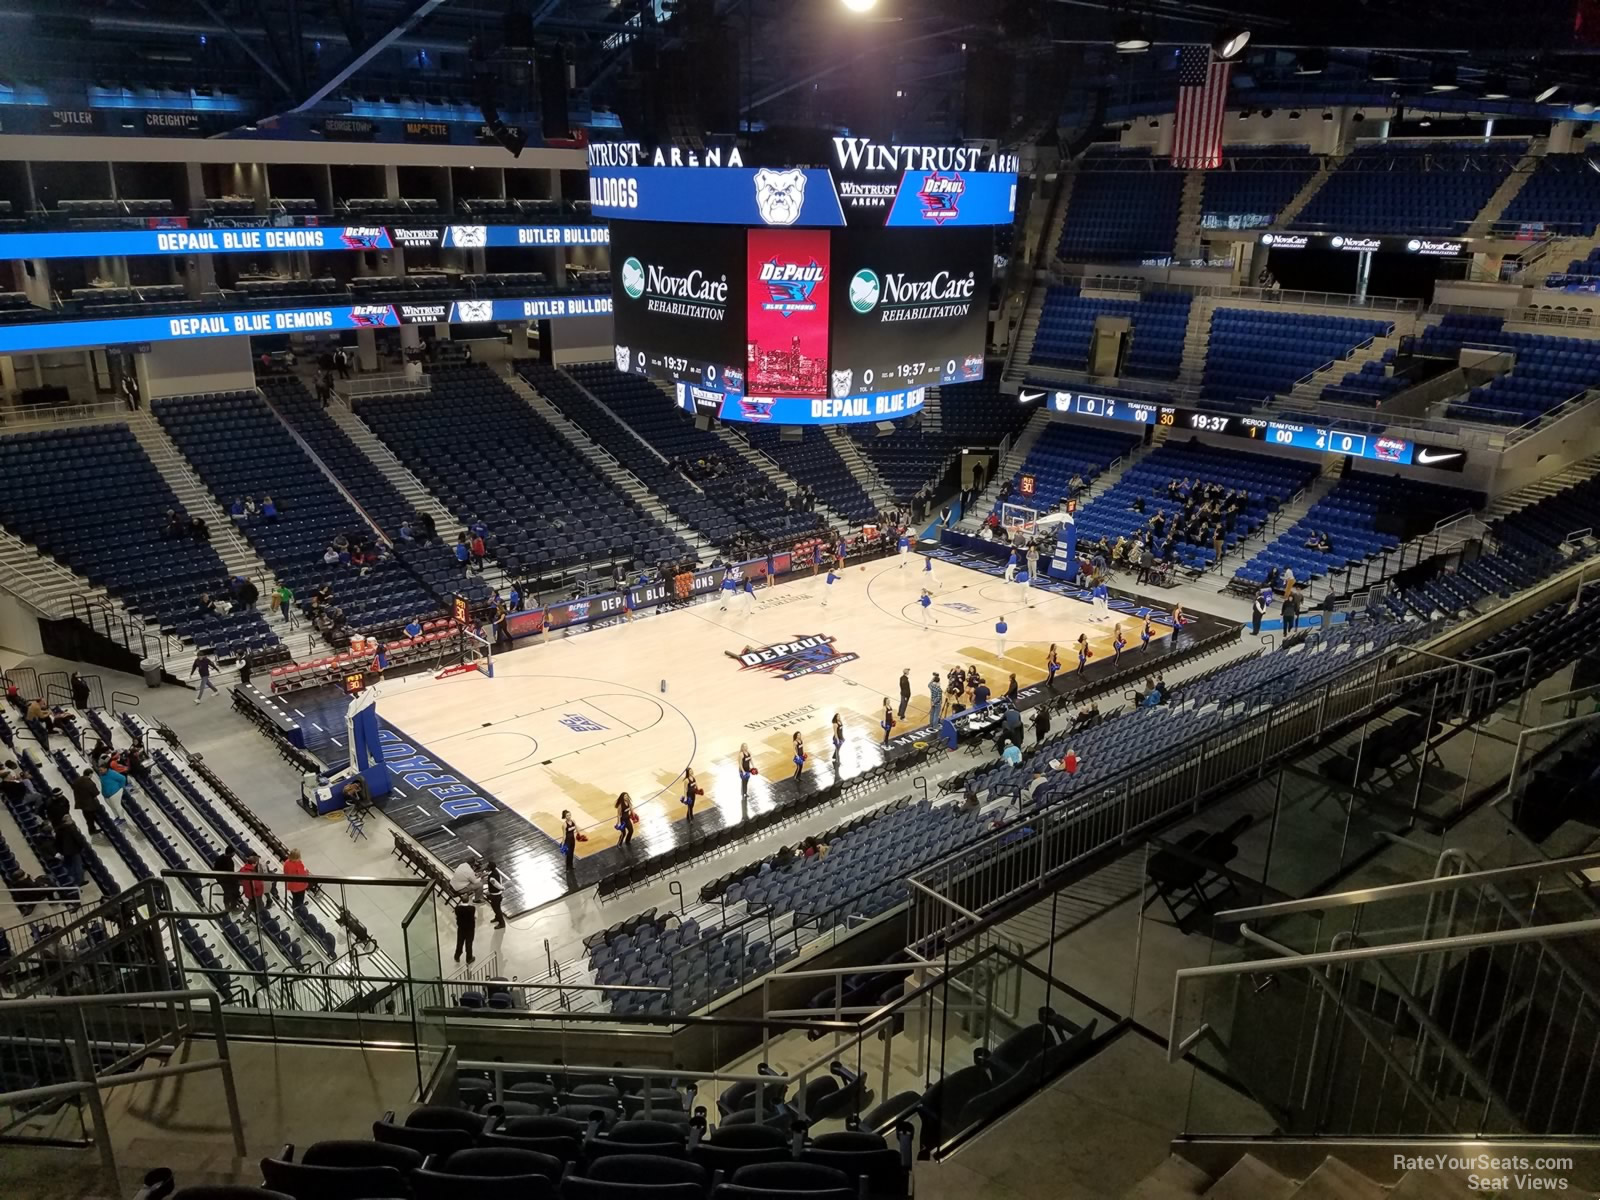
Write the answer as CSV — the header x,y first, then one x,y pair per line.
x,y
788,61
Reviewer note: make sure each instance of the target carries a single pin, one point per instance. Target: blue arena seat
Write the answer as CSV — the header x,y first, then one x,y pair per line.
x,y
1124,205
1253,355
1154,346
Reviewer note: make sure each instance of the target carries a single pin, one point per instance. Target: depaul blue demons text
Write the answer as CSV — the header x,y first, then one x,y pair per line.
x,y
812,654
456,797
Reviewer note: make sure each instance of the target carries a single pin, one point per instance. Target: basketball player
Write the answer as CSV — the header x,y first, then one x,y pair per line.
x,y
1117,643
1144,636
747,768
625,819
927,566
730,584
1011,568
926,600
838,734
691,789
905,547
828,583
1052,664
749,593
1101,600
1000,628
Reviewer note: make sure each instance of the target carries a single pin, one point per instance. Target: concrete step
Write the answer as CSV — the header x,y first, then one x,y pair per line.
x,y
785,482
1336,1180
1503,195
1174,1179
862,467
1303,197
1251,1179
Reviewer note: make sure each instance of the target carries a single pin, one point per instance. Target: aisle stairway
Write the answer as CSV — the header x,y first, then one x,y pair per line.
x,y
1507,191
1303,197
861,467
768,467
1252,1179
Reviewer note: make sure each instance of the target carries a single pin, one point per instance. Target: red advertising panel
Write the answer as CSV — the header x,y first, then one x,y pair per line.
x,y
786,322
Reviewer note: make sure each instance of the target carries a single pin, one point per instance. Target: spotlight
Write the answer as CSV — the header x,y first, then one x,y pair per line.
x,y
1383,69
1358,115
1266,112
1328,116
1494,87
1443,78
1546,93
1585,108
1311,62
1155,123
1131,37
1294,114
1425,122
859,6
1230,42
1244,113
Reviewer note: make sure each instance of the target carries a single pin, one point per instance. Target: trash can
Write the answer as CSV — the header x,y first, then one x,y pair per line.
x,y
152,672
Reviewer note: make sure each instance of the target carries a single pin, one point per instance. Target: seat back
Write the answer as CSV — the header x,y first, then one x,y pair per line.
x,y
353,1153
423,1140
575,1187
445,1185
501,1160
304,1182
792,1176
647,1169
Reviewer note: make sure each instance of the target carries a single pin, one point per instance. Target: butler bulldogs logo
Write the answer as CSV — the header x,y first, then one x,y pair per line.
x,y
841,382
469,237
472,311
624,357
941,197
789,286
780,195
809,655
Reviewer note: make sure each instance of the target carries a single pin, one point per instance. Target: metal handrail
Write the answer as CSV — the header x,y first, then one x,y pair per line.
x,y
83,1061
1417,887
1255,967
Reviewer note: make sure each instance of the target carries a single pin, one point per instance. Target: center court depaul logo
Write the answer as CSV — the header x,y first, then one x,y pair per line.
x,y
811,654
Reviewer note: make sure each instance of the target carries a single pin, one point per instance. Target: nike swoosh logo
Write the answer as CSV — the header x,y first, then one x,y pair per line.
x,y
1028,397
1428,457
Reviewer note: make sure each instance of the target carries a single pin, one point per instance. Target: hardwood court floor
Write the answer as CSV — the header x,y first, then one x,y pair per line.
x,y
571,721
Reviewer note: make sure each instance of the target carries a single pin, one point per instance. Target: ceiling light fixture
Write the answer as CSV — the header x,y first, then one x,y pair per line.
x,y
1311,62
859,6
1383,69
1546,93
1443,78
1132,37
1494,87
1230,42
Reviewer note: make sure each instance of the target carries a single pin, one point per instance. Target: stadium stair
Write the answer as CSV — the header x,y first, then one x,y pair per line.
x,y
1196,342
606,463
196,499
861,467
769,467
1309,390
1509,187
1190,208
933,411
1304,196
972,520
1019,361
1513,502
812,460
1334,1179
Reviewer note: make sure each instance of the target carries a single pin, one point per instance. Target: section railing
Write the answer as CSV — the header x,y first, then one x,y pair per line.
x,y
378,385
1277,296
1463,1003
67,1045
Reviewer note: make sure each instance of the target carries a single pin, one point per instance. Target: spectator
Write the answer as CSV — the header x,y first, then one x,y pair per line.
x,y
1011,725
1011,755
1041,724
295,865
113,783
251,508
269,508
413,628
479,550
14,782
1070,762
57,808
477,528
463,553
86,796
253,889
405,530
494,891
173,526
284,598
230,887
203,666
70,845
80,691
38,719
199,530
236,510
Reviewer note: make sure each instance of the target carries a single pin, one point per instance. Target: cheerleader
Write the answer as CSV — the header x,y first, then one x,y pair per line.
x,y
799,755
1052,664
747,768
926,601
1117,643
625,819
888,720
905,547
569,836
1177,617
691,789
831,579
838,734
1145,635
1000,628
1084,653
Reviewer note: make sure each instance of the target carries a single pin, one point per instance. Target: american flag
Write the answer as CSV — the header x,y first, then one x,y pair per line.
x,y
1202,105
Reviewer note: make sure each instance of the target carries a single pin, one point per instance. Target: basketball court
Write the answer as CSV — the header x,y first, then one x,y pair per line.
x,y
570,721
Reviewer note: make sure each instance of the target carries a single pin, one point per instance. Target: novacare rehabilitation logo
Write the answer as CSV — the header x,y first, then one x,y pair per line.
x,y
864,290
633,278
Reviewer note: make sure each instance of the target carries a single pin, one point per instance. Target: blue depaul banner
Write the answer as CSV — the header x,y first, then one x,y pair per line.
x,y
112,242
716,196
281,239
802,410
935,199
111,331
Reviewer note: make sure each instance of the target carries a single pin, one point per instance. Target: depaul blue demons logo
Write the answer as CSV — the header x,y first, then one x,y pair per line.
x,y
812,654
789,286
941,196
